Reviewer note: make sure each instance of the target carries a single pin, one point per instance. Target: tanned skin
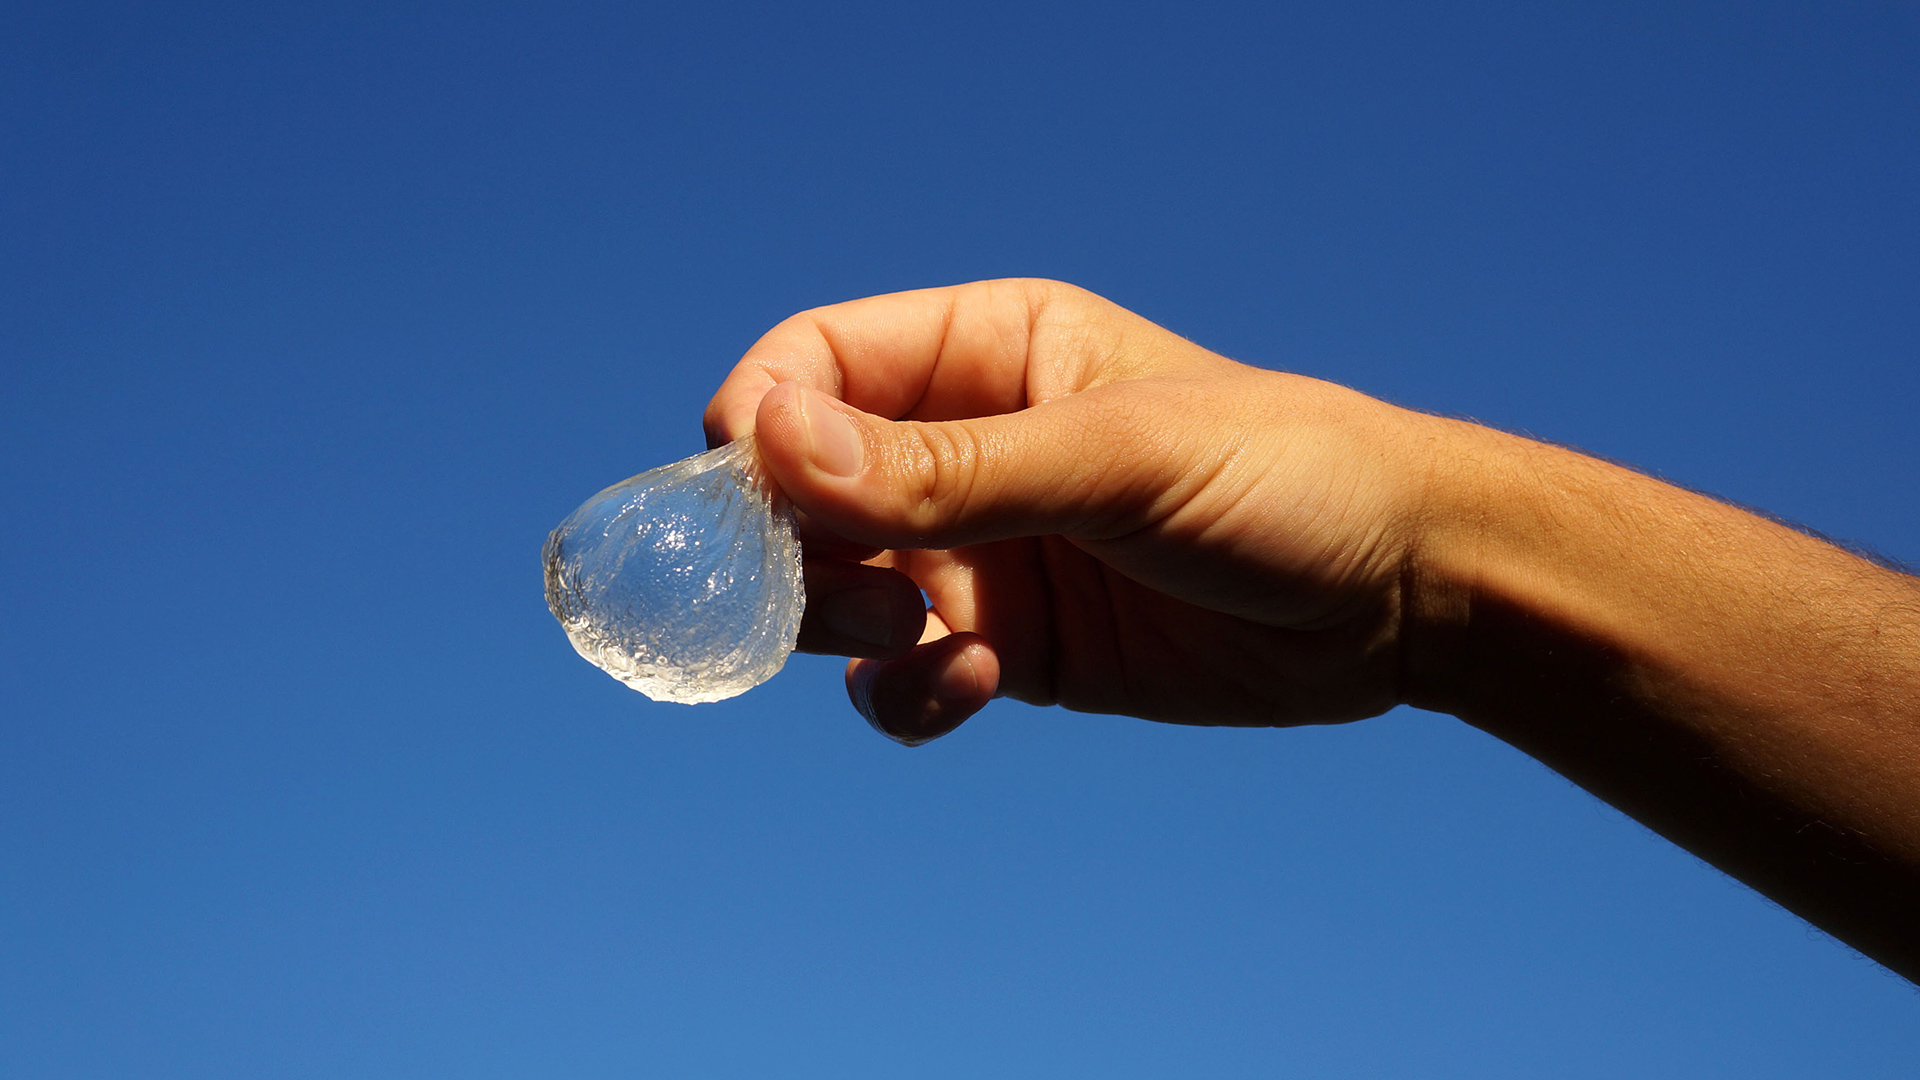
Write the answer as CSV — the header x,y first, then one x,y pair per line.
x,y
1107,517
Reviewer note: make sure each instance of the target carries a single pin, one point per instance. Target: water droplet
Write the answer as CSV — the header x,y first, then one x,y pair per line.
x,y
682,582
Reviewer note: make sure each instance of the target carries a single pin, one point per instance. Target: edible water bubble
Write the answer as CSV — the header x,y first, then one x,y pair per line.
x,y
682,582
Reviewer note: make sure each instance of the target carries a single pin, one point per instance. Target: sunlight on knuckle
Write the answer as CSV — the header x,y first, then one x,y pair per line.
x,y
950,462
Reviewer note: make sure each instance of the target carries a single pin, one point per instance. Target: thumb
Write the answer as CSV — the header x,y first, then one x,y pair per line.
x,y
1078,467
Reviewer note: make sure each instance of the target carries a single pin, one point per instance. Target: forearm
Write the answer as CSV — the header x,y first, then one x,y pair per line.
x,y
1748,691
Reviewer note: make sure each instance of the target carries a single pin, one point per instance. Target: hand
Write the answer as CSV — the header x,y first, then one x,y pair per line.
x,y
1110,518
1101,514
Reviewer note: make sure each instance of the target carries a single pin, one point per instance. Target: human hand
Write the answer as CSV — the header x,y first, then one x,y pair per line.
x,y
1107,517
1101,514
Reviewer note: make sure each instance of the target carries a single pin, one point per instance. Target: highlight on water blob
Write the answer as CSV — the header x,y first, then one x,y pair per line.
x,y
682,582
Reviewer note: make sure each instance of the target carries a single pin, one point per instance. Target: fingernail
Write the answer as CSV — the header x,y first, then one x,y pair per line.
x,y
862,615
958,682
833,445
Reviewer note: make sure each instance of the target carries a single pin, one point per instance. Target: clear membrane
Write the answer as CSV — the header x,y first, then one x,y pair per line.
x,y
682,582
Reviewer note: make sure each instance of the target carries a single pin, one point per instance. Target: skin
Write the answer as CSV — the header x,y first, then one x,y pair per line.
x,y
1107,517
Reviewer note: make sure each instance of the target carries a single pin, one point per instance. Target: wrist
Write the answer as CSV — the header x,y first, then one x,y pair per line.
x,y
1490,549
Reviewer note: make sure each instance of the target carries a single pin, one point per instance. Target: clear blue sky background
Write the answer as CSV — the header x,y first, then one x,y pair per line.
x,y
314,319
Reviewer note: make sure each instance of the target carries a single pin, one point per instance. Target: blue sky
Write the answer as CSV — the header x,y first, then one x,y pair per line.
x,y
315,319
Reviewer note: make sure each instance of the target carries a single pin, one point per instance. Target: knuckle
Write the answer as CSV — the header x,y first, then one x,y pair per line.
x,y
946,466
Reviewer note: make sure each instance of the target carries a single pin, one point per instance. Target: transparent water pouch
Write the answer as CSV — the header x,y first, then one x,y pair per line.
x,y
682,582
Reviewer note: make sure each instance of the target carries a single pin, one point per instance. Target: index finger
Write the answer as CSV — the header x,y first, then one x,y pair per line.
x,y
980,349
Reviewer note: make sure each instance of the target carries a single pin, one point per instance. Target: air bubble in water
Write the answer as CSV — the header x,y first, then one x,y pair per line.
x,y
682,582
